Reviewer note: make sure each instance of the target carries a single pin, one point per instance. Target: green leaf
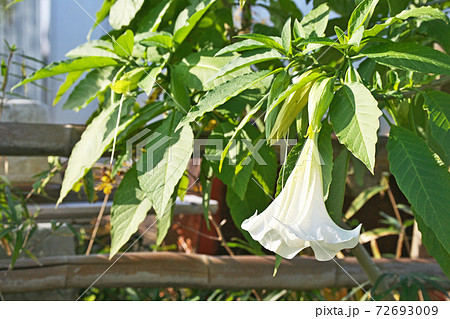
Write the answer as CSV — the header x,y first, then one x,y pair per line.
x,y
180,93
362,199
88,184
237,166
422,13
71,78
123,11
278,260
188,18
151,21
248,58
97,138
124,44
438,105
99,48
286,37
255,200
335,199
434,246
89,88
244,45
271,42
326,155
206,179
164,162
377,28
438,30
288,112
397,6
130,206
361,15
410,57
273,120
197,68
315,22
101,14
223,93
303,80
150,79
239,128
163,39
425,184
319,99
164,222
94,141
354,115
289,164
67,66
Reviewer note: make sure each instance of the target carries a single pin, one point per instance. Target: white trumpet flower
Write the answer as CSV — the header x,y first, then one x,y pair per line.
x,y
298,218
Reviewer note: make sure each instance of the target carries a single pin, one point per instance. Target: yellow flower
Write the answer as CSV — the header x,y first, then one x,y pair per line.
x,y
298,218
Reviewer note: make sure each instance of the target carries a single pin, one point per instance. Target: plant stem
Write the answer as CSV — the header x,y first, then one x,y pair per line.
x,y
369,267
97,224
5,81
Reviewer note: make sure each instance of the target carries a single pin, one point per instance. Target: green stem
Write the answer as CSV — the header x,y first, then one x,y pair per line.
x,y
371,269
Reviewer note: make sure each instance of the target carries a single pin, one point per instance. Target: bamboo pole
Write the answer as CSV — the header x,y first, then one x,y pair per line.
x,y
165,269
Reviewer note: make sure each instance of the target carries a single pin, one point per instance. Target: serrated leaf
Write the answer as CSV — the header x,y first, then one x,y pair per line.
x,y
71,78
354,115
188,18
248,58
71,65
123,11
361,15
89,88
244,45
124,44
417,174
164,162
315,22
128,210
438,105
223,93
410,57
271,42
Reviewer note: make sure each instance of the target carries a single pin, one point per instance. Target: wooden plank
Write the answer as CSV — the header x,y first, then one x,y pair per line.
x,y
25,139
74,212
165,269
